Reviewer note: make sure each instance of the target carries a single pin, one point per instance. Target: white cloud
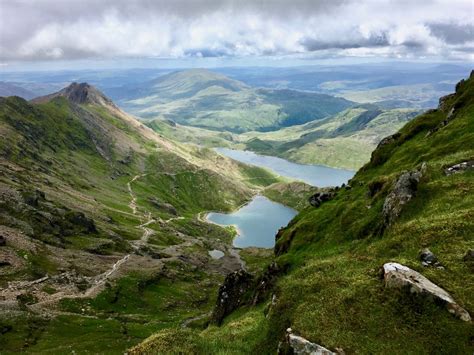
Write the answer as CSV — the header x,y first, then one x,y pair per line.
x,y
57,29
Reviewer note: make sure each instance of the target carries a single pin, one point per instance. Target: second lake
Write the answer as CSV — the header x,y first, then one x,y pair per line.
x,y
257,222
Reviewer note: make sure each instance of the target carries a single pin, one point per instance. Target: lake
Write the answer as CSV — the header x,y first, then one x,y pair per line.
x,y
315,175
257,222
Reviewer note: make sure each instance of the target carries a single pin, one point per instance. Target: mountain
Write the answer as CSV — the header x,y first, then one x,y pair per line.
x,y
101,240
11,89
205,99
343,140
383,265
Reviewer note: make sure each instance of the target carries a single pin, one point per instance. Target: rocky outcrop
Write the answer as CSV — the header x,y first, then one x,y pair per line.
x,y
266,282
459,168
428,258
166,207
403,191
402,277
80,220
232,294
388,140
320,197
298,345
283,242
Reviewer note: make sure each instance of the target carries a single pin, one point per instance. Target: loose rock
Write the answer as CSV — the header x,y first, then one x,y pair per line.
x,y
319,197
402,277
295,344
459,168
428,258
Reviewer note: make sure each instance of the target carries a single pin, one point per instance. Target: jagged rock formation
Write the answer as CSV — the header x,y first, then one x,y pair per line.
x,y
402,277
231,294
266,282
298,345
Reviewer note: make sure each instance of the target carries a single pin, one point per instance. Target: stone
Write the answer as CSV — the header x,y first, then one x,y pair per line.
x,y
3,241
459,168
428,258
469,256
231,294
298,345
403,191
319,197
266,282
80,219
402,277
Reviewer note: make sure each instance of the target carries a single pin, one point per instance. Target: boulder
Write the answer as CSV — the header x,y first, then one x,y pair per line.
x,y
79,219
166,207
428,258
232,294
459,168
403,191
319,197
298,345
469,256
402,277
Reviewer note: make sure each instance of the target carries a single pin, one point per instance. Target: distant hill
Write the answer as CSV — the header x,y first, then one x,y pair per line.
x,y
202,98
343,140
11,89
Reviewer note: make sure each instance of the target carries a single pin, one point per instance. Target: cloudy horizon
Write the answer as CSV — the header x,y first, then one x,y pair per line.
x,y
53,30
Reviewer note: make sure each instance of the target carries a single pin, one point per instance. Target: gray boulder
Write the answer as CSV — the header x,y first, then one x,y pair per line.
x,y
298,345
319,197
459,168
428,258
403,191
402,277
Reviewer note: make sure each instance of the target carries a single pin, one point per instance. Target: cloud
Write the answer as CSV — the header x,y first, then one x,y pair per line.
x,y
78,29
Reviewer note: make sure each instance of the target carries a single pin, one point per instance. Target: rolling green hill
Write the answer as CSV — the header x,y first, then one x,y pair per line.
x,y
210,100
414,193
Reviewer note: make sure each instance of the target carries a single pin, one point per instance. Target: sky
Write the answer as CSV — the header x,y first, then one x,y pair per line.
x,y
35,32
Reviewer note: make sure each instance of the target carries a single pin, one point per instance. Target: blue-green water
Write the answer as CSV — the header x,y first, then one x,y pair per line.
x,y
257,222
316,175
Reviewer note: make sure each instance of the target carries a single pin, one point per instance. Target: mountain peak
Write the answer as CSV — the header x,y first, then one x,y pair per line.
x,y
78,93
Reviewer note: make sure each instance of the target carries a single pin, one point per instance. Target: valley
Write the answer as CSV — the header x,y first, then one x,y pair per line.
x,y
119,233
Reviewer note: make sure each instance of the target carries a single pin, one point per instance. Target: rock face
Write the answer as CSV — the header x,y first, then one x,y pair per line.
x,y
403,191
402,277
231,294
3,241
295,344
79,219
388,140
266,282
319,197
459,168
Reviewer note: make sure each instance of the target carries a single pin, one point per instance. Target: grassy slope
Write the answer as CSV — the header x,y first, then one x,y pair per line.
x,y
52,147
332,293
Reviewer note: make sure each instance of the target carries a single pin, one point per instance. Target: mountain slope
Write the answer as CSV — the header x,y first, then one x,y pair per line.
x,y
93,203
325,283
206,99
